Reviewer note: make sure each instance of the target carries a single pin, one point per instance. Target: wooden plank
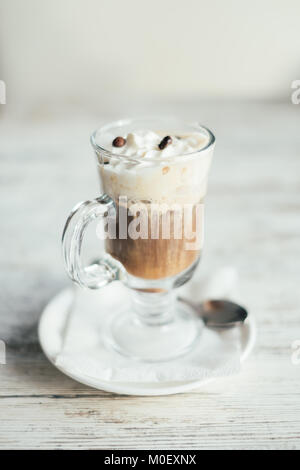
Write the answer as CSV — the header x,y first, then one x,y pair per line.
x,y
252,222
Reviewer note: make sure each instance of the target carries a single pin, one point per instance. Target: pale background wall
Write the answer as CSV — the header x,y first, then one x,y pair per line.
x,y
105,53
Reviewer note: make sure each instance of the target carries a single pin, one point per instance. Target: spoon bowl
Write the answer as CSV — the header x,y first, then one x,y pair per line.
x,y
219,313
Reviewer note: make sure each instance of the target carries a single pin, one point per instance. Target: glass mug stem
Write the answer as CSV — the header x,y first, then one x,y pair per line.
x,y
154,308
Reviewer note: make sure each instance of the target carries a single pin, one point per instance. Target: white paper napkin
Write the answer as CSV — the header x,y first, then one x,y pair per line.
x,y
217,353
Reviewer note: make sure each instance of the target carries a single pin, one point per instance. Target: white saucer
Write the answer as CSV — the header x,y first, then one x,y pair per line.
x,y
50,331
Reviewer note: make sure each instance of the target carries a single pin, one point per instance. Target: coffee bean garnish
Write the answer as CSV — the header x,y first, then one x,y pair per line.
x,y
106,162
165,141
119,142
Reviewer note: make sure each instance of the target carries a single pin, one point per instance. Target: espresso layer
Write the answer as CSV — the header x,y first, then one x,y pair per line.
x,y
159,257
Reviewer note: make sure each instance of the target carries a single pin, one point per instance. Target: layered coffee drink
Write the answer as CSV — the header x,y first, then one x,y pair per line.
x,y
157,180
153,173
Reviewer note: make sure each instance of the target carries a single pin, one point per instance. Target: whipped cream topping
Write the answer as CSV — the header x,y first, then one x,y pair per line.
x,y
144,144
154,175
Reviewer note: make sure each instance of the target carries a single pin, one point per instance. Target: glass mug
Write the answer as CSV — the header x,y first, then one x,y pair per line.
x,y
162,195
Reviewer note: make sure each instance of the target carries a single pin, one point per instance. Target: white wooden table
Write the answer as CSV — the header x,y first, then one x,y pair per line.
x,y
252,222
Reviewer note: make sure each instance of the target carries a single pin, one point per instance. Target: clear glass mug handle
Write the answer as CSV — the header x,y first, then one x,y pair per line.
x,y
106,269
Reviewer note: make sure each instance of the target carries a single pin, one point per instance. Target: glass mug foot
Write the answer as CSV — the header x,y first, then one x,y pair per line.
x,y
140,339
